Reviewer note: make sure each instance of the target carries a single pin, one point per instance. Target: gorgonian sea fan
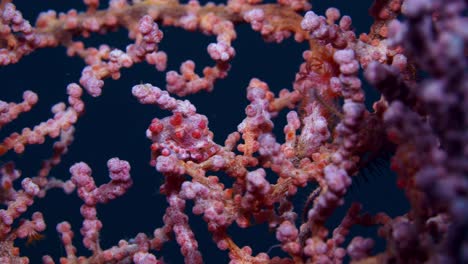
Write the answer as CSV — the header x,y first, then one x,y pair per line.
x,y
233,167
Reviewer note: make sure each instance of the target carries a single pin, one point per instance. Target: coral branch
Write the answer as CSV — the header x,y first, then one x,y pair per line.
x,y
312,140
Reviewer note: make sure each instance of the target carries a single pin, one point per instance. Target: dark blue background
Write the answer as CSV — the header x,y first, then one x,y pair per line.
x,y
114,126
